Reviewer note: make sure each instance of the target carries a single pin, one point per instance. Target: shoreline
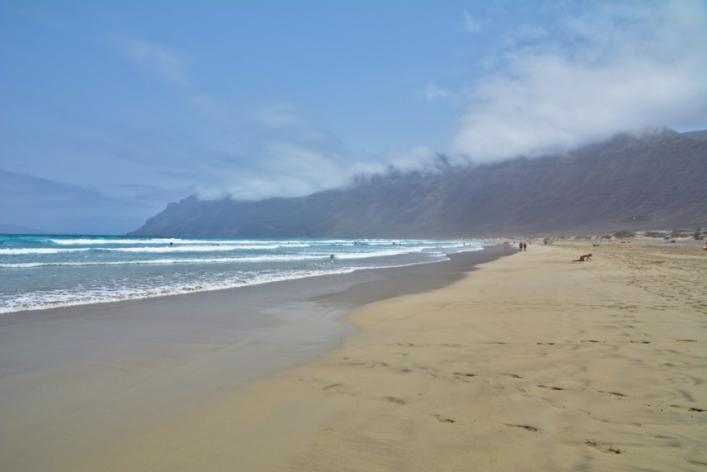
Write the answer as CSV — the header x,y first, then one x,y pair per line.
x,y
135,364
341,272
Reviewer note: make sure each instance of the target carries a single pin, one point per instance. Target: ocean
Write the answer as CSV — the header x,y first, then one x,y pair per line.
x,y
45,271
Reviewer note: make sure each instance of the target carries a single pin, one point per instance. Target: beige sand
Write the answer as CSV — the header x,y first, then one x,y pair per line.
x,y
530,363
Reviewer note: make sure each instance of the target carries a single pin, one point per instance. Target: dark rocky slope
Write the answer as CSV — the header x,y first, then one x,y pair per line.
x,y
651,182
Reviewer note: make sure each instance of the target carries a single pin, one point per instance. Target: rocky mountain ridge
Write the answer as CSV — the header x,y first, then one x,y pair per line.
x,y
655,181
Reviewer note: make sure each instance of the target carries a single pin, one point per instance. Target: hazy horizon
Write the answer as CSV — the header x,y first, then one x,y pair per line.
x,y
112,111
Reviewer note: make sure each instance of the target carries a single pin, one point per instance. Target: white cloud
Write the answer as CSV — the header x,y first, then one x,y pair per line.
x,y
472,24
417,157
434,92
623,67
290,156
282,168
280,115
159,58
279,153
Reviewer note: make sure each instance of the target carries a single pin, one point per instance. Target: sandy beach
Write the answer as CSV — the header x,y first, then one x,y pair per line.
x,y
330,236
76,381
531,362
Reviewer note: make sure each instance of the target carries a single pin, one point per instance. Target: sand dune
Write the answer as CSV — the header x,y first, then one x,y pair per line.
x,y
530,363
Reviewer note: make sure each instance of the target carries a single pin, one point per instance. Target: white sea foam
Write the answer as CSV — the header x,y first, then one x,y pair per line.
x,y
179,245
177,241
96,241
154,241
382,253
200,265
224,260
169,249
64,298
21,251
146,249
213,260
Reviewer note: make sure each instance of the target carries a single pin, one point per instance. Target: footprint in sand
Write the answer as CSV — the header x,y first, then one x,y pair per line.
x,y
603,447
443,419
523,426
695,380
341,389
616,394
690,408
396,400
686,395
552,387
464,374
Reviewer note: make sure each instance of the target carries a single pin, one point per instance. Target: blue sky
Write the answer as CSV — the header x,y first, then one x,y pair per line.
x,y
148,102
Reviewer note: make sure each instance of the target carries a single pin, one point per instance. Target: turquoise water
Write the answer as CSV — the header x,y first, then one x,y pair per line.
x,y
39,272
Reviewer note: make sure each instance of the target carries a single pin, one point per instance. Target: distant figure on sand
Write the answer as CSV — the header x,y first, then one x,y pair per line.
x,y
584,258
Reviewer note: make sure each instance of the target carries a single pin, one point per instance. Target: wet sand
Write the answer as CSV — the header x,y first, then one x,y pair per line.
x,y
77,382
530,363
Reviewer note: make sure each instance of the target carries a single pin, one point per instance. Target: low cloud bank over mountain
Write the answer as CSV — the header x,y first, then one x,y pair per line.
x,y
614,68
628,182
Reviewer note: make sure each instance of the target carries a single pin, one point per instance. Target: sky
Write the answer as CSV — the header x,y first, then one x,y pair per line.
x,y
144,103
